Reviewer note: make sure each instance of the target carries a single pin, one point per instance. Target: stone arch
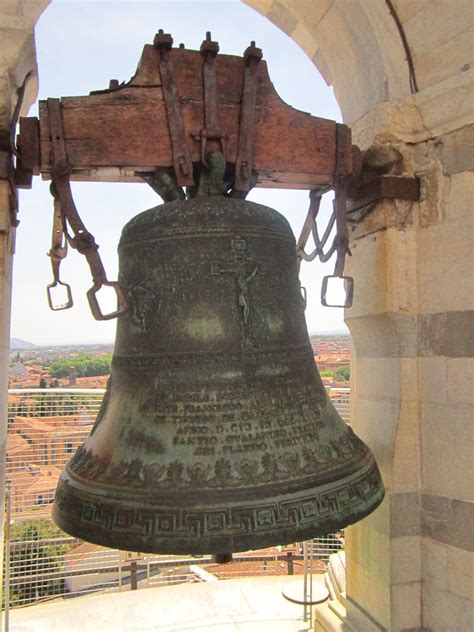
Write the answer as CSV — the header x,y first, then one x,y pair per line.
x,y
355,45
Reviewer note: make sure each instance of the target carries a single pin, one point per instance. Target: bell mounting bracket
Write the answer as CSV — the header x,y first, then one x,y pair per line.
x,y
65,213
179,106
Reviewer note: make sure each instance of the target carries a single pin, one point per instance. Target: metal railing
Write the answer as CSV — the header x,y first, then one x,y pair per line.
x,y
45,427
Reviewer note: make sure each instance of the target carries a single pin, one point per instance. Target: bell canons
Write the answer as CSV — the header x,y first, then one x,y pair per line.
x,y
216,434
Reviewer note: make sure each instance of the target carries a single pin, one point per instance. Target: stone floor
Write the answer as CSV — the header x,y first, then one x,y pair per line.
x,y
252,604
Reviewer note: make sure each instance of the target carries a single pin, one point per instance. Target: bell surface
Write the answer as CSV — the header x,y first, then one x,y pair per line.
x,y
216,433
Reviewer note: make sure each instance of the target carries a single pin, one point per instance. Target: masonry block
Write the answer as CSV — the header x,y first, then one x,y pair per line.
x,y
407,453
445,281
445,60
305,40
448,520
405,559
370,593
262,6
461,572
282,17
444,24
405,611
460,380
456,150
376,422
432,377
434,562
445,611
459,195
449,334
446,106
308,11
448,459
378,377
405,510
408,8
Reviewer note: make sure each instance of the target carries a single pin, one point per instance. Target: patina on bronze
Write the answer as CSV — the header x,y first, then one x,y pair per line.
x,y
216,433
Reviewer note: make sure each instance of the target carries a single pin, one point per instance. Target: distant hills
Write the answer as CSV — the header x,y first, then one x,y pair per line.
x,y
328,334
16,343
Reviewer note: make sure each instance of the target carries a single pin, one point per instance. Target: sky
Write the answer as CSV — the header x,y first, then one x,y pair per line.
x,y
80,47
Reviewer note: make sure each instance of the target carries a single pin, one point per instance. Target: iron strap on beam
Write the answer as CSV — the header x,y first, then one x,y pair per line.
x,y
243,167
385,187
182,162
212,130
83,241
341,181
209,50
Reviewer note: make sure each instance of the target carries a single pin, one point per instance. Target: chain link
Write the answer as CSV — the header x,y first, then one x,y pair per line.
x,y
65,213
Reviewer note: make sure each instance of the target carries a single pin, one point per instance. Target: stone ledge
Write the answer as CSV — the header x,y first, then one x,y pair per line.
x,y
326,620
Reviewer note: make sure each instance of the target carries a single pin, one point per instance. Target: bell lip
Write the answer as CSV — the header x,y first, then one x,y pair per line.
x,y
203,546
221,542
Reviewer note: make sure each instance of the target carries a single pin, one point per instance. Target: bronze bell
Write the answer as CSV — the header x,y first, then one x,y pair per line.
x,y
216,433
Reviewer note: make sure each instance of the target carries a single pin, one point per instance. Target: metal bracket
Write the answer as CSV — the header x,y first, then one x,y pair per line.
x,y
363,197
212,130
83,241
182,162
243,167
28,143
7,172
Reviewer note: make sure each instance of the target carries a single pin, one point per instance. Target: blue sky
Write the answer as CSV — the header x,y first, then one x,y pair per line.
x,y
81,46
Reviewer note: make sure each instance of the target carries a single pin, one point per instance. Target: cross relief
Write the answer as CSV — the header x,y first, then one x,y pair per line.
x,y
243,268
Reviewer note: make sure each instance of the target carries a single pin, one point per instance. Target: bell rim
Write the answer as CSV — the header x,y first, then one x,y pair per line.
x,y
100,527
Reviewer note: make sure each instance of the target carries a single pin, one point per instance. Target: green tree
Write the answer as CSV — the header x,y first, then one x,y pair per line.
x,y
42,407
326,374
21,410
34,555
85,365
343,373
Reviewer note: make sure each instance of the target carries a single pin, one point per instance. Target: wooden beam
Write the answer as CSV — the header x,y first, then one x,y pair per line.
x,y
112,135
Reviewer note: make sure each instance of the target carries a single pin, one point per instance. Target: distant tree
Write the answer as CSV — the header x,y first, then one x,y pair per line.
x,y
42,383
67,405
22,410
343,374
33,555
326,374
84,364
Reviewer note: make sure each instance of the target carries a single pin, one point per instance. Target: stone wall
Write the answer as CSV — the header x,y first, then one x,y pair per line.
x,y
412,323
